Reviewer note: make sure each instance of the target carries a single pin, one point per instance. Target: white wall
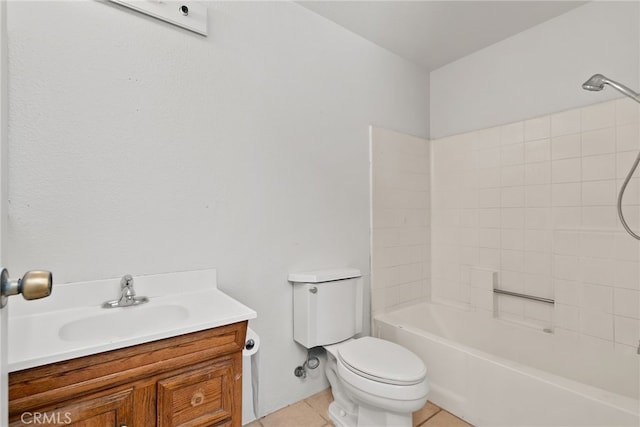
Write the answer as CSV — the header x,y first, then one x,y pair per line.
x,y
539,70
137,147
400,219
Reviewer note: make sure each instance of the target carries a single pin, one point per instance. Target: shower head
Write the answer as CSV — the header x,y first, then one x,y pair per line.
x,y
597,82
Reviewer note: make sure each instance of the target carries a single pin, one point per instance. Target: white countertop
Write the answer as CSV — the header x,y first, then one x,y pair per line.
x,y
191,299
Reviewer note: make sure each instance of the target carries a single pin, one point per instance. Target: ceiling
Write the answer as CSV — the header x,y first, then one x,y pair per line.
x,y
434,33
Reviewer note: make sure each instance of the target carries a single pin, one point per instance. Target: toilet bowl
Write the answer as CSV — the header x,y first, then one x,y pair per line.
x,y
374,383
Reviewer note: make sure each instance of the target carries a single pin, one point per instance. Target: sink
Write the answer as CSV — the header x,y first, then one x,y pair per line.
x,y
123,322
71,323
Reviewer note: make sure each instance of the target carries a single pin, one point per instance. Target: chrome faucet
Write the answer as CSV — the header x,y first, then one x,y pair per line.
x,y
128,297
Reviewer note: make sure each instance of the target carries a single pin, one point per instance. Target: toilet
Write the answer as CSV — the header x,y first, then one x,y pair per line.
x,y
374,382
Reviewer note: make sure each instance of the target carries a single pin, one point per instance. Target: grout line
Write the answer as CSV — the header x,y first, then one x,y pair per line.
x,y
315,410
424,423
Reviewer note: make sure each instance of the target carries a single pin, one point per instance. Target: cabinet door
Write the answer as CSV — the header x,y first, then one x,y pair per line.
x,y
194,398
104,410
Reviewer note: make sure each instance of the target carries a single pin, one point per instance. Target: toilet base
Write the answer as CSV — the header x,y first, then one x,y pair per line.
x,y
368,417
339,417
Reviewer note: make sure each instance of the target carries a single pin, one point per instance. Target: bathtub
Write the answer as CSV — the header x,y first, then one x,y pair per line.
x,y
492,372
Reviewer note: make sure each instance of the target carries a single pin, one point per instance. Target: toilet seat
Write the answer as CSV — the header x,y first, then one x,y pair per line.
x,y
382,361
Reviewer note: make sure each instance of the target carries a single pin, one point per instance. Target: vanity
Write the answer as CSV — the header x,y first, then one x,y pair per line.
x,y
175,361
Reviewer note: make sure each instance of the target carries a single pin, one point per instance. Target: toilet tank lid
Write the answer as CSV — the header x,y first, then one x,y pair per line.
x,y
319,276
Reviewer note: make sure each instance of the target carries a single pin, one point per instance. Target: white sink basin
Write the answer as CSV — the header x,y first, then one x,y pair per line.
x,y
72,323
123,322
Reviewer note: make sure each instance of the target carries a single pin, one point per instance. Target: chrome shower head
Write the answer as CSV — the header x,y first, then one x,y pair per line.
x,y
597,82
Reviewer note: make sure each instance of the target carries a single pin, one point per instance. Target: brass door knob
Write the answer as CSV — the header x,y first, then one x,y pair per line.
x,y
33,285
36,284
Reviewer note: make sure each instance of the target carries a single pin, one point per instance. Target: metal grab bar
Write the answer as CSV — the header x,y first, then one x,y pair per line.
x,y
531,297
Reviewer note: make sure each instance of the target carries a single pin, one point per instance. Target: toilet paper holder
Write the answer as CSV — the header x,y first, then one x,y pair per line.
x,y
250,377
251,343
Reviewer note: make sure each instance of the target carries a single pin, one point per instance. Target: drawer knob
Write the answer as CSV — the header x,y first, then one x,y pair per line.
x,y
197,398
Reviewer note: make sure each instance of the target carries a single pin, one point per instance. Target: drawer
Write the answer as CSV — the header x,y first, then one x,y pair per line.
x,y
200,397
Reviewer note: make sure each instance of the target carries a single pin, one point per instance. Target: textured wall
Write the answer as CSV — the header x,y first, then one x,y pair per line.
x,y
137,147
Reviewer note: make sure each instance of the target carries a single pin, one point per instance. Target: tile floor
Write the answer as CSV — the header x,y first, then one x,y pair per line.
x,y
312,412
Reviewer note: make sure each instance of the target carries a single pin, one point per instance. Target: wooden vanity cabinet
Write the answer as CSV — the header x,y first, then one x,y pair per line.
x,y
192,380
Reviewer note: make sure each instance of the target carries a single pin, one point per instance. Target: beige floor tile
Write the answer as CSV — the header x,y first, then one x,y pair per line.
x,y
255,423
445,419
422,415
296,415
320,402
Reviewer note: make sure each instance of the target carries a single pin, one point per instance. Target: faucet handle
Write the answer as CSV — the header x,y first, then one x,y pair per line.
x,y
126,281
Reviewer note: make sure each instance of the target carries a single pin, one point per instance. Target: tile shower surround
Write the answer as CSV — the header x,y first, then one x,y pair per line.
x,y
400,235
535,201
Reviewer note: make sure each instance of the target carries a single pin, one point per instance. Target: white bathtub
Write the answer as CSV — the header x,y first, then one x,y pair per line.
x,y
494,373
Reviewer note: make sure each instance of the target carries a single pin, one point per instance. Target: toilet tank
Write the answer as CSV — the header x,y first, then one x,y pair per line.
x,y
327,306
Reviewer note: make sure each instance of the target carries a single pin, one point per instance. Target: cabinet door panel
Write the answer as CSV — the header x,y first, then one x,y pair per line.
x,y
105,410
199,397
102,420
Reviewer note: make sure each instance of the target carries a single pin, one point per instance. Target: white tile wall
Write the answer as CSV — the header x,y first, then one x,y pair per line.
x,y
400,196
542,213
